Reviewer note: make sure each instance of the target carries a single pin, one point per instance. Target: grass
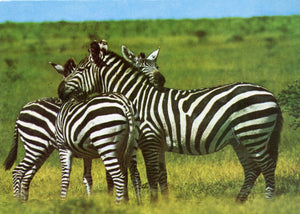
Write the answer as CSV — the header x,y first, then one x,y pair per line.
x,y
261,50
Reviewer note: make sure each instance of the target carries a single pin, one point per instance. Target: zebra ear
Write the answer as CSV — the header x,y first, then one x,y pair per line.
x,y
153,56
69,67
65,70
97,51
129,55
58,68
94,51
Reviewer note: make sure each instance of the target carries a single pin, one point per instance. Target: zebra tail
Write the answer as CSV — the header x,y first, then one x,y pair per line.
x,y
126,151
12,155
275,138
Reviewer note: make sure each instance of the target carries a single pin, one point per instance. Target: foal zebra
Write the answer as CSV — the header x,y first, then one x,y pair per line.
x,y
193,122
36,126
103,126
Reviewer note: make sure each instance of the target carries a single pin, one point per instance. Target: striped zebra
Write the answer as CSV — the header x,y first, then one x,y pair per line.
x,y
103,126
39,142
36,126
193,122
146,65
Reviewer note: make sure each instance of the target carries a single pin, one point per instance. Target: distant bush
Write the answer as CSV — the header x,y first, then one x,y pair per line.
x,y
201,34
236,38
289,99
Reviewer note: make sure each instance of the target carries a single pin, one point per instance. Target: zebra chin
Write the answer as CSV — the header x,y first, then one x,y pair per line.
x,y
66,94
63,93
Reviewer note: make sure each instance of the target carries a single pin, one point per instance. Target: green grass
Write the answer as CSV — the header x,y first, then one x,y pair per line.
x,y
260,50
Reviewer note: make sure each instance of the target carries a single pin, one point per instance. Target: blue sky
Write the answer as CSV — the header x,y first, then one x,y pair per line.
x,y
84,10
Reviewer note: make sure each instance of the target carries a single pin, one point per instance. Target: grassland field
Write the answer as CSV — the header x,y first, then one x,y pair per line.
x,y
193,54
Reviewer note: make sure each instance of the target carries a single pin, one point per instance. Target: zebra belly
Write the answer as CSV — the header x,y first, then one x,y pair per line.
x,y
83,149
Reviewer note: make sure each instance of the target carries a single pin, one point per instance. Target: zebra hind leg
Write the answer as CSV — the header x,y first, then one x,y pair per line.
x,y
118,177
251,172
36,164
87,176
17,175
110,183
267,165
135,178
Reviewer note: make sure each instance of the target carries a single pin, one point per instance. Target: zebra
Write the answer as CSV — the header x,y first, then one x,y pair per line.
x,y
36,126
102,126
146,65
38,143
193,122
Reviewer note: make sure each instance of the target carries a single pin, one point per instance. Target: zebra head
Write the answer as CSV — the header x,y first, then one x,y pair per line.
x,y
66,69
79,82
146,65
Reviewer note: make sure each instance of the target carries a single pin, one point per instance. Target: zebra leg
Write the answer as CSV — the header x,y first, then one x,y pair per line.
x,y
87,176
152,167
110,183
17,175
118,177
135,178
251,172
66,163
126,196
163,175
29,174
267,165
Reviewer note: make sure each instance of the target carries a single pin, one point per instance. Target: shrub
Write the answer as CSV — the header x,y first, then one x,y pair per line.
x,y
289,99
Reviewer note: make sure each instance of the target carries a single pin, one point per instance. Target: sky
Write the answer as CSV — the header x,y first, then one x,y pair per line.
x,y
99,10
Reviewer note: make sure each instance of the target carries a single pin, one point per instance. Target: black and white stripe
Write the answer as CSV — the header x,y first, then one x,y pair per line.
x,y
100,127
148,65
35,125
194,122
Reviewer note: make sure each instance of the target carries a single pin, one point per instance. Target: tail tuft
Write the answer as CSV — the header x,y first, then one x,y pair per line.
x,y
12,155
275,138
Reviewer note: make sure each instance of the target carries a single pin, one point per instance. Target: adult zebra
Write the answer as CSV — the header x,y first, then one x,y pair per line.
x,y
194,122
103,126
35,125
146,65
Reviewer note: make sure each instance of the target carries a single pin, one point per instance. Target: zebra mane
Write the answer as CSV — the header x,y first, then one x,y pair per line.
x,y
54,100
100,56
135,70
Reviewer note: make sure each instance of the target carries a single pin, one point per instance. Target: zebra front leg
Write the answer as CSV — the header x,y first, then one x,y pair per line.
x,y
87,176
152,168
66,163
163,183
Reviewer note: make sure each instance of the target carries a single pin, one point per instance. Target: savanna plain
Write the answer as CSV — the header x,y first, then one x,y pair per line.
x,y
193,54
